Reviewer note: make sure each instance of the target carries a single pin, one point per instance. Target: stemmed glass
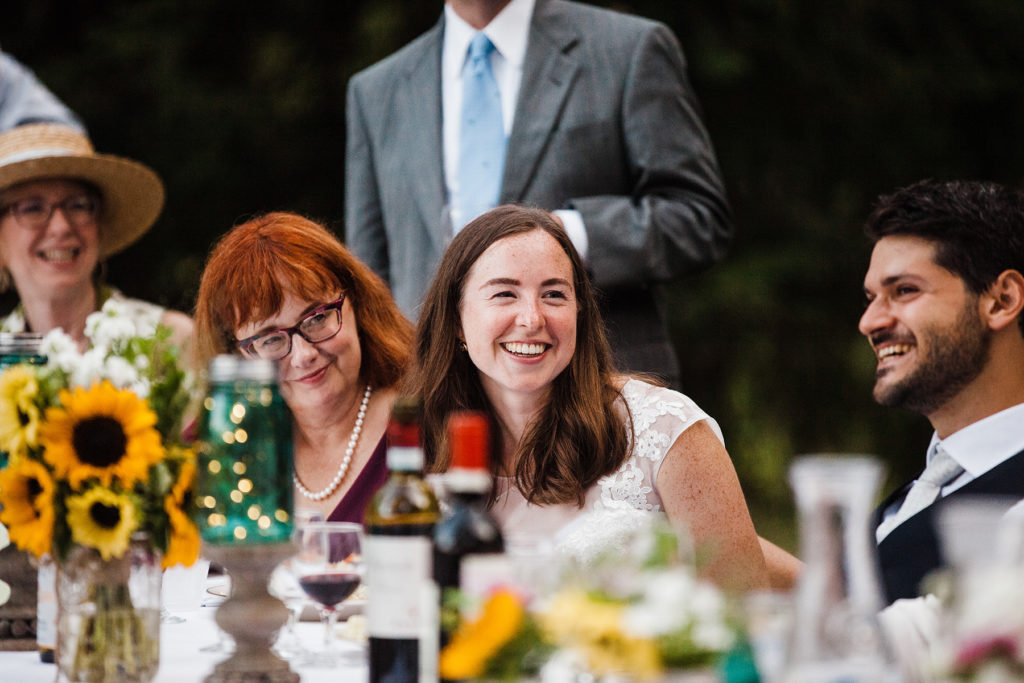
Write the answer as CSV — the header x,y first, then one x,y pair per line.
x,y
284,585
329,568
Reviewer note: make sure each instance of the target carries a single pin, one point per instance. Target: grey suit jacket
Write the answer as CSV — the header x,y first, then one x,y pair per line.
x,y
606,124
24,99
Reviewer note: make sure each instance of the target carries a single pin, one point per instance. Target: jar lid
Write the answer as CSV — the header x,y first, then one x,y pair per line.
x,y
228,368
24,342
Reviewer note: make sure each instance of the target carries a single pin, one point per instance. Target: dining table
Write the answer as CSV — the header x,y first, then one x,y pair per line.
x,y
189,650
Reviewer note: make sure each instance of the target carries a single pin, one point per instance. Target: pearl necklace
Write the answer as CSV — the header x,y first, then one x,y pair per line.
x,y
343,468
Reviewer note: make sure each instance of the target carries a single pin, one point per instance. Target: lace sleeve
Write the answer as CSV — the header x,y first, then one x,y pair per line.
x,y
659,416
626,497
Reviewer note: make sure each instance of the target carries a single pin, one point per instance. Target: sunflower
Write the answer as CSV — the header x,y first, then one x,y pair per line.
x,y
101,432
102,519
183,548
26,495
19,415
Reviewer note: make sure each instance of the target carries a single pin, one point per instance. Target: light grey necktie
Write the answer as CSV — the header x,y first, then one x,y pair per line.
x,y
940,471
481,135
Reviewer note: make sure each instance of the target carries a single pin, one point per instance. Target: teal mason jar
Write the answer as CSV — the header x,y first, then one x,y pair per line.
x,y
18,348
244,448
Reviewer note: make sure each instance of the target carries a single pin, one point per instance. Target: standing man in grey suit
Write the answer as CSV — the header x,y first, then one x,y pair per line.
x,y
600,125
24,99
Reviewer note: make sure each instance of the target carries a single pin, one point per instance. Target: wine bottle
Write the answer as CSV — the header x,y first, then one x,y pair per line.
x,y
401,613
467,527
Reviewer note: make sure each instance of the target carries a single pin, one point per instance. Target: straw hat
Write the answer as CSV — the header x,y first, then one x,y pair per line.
x,y
132,193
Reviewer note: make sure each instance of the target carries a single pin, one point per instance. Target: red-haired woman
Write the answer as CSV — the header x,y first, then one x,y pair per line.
x,y
583,455
281,287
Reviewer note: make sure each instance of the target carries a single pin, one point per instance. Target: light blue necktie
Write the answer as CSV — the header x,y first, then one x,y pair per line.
x,y
481,135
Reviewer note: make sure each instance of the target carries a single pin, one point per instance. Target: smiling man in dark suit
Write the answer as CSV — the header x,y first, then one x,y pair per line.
x,y
945,294
597,122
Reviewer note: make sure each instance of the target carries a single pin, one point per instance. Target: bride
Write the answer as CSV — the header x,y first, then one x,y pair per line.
x,y
510,327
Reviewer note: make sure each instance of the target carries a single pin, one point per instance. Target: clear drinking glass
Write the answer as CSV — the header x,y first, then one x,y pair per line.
x,y
329,568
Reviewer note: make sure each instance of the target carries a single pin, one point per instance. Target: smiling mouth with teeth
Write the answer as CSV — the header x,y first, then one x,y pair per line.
x,y
893,350
59,254
524,350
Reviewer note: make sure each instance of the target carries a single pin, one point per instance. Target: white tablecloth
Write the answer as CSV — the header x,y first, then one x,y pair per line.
x,y
181,660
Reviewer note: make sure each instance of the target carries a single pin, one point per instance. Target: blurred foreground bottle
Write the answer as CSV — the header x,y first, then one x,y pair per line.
x,y
18,348
836,635
467,527
401,612
32,606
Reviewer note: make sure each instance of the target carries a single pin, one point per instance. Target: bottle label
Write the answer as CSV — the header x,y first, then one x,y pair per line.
x,y
405,458
46,605
430,616
398,571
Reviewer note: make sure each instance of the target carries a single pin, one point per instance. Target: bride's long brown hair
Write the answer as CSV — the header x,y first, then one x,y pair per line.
x,y
579,435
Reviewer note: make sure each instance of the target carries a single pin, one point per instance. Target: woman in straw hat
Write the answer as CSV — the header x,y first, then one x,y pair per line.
x,y
64,208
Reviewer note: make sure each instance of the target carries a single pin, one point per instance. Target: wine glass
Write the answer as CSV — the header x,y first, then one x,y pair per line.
x,y
284,585
329,568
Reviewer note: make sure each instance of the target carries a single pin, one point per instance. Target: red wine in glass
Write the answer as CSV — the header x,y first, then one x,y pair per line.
x,y
330,589
328,566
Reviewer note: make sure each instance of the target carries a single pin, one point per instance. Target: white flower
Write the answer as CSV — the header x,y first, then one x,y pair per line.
x,y
712,636
105,328
665,605
120,372
89,369
60,350
674,599
141,388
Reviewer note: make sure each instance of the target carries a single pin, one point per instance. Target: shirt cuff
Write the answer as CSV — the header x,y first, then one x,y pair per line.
x,y
573,222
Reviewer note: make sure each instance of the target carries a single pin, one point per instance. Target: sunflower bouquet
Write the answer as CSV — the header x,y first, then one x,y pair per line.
x,y
97,465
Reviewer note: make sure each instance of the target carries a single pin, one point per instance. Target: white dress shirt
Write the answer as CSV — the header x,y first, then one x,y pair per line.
x,y
509,31
978,448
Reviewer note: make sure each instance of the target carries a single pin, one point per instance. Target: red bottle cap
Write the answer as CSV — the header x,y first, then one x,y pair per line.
x,y
468,440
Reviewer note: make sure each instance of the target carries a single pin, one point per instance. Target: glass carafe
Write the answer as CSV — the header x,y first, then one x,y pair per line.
x,y
836,635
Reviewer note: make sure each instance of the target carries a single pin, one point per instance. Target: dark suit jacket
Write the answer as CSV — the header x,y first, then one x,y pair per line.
x,y
606,123
913,549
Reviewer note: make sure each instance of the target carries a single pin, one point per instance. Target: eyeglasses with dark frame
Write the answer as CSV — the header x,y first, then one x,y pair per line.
x,y
35,213
319,325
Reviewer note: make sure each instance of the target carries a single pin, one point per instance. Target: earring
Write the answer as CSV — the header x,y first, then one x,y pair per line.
x,y
462,345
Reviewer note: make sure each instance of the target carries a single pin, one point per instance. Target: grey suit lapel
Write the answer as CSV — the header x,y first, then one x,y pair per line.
x,y
420,101
549,70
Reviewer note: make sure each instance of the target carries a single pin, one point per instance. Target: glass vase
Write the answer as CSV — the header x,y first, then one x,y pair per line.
x,y
108,622
837,636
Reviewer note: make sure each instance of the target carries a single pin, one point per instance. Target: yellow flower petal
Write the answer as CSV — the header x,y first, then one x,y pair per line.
x,y
26,498
103,433
102,519
475,642
19,415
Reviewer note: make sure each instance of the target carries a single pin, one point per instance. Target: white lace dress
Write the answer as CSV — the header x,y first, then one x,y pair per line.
x,y
620,502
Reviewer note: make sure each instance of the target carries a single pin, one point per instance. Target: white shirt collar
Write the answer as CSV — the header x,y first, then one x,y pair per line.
x,y
981,446
509,31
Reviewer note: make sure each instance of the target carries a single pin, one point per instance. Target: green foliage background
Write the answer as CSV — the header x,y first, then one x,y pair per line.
x,y
815,109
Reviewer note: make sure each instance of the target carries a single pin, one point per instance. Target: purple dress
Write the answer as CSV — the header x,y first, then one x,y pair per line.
x,y
353,504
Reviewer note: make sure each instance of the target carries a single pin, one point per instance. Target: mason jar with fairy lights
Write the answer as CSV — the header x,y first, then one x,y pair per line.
x,y
18,348
244,447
